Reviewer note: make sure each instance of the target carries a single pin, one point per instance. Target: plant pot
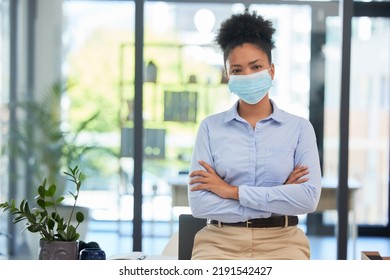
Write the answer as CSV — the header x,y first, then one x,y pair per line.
x,y
33,239
58,250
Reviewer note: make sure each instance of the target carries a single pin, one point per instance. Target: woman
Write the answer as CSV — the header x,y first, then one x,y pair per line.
x,y
254,167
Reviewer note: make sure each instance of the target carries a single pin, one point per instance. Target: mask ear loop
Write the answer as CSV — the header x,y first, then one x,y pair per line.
x,y
270,68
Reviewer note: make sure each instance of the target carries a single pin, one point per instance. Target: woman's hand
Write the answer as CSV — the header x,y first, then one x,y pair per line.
x,y
209,180
296,176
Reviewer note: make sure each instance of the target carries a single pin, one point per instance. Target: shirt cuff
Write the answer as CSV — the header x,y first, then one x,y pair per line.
x,y
249,198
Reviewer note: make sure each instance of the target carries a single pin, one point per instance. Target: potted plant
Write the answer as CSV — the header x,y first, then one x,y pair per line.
x,y
58,233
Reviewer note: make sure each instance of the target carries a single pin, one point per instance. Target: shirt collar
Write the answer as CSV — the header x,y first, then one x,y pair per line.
x,y
277,114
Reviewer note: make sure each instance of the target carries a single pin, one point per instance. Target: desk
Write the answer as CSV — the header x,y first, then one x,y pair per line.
x,y
179,187
179,196
328,197
328,201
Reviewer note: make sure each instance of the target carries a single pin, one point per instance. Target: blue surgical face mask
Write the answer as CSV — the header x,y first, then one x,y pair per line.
x,y
251,88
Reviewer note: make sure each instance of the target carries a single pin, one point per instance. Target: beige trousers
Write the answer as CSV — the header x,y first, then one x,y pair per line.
x,y
238,243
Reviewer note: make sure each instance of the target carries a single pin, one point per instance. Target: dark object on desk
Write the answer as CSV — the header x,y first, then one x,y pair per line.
x,y
188,227
92,254
92,244
90,251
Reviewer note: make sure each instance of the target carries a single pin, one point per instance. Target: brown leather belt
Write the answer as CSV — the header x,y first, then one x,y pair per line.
x,y
279,221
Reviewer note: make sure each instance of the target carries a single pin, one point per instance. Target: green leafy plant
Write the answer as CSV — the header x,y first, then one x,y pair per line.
x,y
41,137
45,218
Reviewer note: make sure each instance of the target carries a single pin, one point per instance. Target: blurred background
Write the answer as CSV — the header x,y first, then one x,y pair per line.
x,y
120,87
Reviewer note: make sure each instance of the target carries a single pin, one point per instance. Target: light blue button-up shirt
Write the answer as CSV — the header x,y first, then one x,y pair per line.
x,y
258,161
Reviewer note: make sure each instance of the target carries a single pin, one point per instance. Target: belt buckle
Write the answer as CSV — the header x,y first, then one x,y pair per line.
x,y
248,223
210,222
285,221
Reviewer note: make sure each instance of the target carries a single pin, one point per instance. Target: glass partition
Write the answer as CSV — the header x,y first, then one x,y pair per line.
x,y
369,115
370,118
96,55
369,121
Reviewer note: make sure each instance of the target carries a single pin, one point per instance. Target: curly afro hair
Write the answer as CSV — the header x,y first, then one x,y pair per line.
x,y
245,28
